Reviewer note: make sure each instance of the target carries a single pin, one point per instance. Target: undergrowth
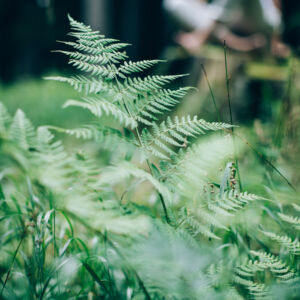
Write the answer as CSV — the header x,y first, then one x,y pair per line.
x,y
163,218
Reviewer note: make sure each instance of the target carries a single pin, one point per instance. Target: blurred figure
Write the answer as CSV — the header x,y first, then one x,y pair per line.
x,y
245,25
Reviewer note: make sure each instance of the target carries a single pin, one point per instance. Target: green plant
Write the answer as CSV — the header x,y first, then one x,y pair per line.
x,y
157,220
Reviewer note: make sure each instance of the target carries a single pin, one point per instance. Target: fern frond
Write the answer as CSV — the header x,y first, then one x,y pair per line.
x,y
101,58
176,133
278,268
293,246
132,67
98,107
85,133
296,207
139,85
85,84
22,131
232,201
109,72
195,227
158,102
96,51
294,221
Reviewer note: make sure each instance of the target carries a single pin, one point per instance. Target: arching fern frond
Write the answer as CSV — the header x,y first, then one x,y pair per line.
x,y
135,67
294,221
85,84
176,133
159,102
148,84
22,131
98,107
293,246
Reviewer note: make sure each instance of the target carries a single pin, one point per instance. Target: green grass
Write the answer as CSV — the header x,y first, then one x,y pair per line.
x,y
42,101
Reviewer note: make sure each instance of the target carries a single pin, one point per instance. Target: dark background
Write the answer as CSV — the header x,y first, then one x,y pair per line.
x,y
29,30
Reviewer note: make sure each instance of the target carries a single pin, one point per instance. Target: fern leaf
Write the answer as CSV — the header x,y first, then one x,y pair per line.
x,y
174,133
107,72
133,67
84,84
293,246
98,107
22,131
138,85
294,221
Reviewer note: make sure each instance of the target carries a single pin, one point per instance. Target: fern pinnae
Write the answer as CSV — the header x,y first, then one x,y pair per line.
x,y
293,246
294,221
98,107
132,67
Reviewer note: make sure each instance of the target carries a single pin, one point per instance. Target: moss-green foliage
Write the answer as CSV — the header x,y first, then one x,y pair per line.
x,y
162,218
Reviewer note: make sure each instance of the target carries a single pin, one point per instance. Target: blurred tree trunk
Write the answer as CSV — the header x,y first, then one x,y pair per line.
x,y
96,14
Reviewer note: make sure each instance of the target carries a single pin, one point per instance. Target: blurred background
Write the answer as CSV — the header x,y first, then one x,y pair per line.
x,y
262,47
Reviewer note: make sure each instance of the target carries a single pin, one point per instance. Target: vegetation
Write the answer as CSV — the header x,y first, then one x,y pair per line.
x,y
149,208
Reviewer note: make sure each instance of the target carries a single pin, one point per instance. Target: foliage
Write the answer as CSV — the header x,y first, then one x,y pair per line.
x,y
163,218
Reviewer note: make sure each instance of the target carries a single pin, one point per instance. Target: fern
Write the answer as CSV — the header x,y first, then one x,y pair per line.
x,y
77,224
131,100
294,221
98,107
293,246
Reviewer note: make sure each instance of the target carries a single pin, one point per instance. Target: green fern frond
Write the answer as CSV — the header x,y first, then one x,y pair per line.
x,y
176,133
232,201
195,227
22,131
109,72
96,51
294,221
148,84
159,102
101,58
278,268
98,107
293,246
85,133
296,207
85,84
133,67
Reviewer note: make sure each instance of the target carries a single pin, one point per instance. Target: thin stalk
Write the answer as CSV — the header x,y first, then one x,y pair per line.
x,y
11,265
230,113
285,106
211,93
266,160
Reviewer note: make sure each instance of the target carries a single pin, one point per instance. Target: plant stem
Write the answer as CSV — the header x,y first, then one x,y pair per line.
x,y
211,93
11,265
266,160
230,113
148,163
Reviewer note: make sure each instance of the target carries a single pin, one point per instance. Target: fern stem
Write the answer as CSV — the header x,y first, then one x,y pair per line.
x,y
231,120
148,163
